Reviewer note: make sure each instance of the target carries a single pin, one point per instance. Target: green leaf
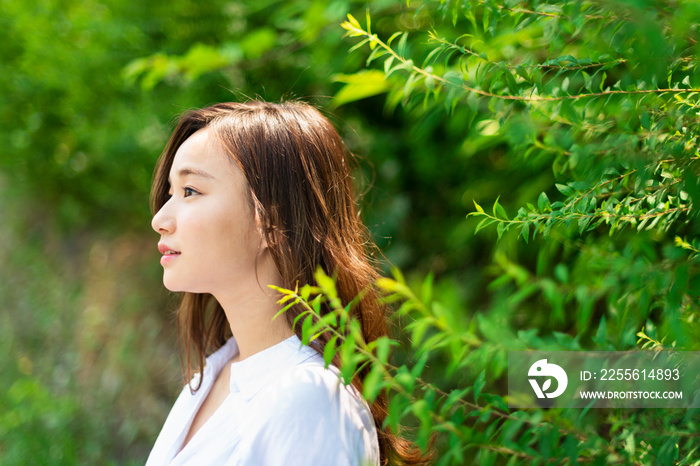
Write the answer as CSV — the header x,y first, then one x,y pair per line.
x,y
500,229
372,385
301,315
525,231
587,81
571,449
384,345
402,45
285,309
201,59
405,379
364,84
495,401
359,45
306,330
583,223
483,223
258,42
417,369
325,282
418,329
393,36
455,396
394,411
564,189
601,335
498,210
387,66
353,21
329,350
522,72
479,385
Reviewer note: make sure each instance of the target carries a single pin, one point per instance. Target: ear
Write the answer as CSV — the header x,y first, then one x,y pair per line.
x,y
259,226
263,238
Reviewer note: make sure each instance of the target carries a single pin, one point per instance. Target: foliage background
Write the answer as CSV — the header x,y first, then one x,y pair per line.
x,y
89,90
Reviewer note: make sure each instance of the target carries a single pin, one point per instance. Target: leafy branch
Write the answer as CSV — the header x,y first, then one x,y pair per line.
x,y
566,63
652,205
380,48
437,410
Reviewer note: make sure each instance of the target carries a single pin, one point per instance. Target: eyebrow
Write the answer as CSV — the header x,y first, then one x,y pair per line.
x,y
190,171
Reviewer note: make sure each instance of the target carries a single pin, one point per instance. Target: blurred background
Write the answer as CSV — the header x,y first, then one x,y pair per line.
x,y
89,91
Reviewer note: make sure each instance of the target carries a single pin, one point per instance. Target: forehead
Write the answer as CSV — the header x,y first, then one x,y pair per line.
x,y
201,152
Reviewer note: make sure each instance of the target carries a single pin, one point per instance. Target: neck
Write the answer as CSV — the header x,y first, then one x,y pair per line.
x,y
250,316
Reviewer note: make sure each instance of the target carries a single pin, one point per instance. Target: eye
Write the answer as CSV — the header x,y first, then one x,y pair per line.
x,y
189,192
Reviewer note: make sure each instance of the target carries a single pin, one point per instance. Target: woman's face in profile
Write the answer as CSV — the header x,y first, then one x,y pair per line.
x,y
209,238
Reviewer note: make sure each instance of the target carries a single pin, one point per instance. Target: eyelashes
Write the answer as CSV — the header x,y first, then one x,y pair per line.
x,y
186,192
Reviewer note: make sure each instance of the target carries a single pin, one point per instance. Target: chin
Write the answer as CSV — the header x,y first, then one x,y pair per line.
x,y
173,285
170,287
180,287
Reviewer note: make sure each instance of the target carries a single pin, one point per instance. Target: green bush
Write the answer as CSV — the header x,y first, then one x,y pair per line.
x,y
604,97
563,133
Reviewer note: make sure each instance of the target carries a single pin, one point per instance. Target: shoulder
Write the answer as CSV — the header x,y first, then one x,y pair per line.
x,y
310,412
312,390
313,377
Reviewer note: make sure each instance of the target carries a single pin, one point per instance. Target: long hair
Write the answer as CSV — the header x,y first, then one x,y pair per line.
x,y
298,171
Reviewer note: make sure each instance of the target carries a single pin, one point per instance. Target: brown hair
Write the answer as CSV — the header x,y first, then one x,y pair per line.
x,y
298,171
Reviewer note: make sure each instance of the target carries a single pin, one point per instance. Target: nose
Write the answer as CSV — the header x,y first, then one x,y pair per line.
x,y
163,221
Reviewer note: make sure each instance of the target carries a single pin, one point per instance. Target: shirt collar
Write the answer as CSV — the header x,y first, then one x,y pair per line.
x,y
254,372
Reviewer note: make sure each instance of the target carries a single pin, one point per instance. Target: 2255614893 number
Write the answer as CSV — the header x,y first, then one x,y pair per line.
x,y
639,374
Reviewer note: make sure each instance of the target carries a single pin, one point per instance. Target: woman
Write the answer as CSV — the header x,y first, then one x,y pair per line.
x,y
247,195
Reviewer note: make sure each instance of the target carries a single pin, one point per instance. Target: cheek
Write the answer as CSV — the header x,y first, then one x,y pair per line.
x,y
228,233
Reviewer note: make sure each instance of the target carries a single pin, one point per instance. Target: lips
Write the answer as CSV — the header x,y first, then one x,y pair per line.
x,y
167,250
169,254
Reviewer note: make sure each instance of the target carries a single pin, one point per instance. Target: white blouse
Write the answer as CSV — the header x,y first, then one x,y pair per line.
x,y
285,408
